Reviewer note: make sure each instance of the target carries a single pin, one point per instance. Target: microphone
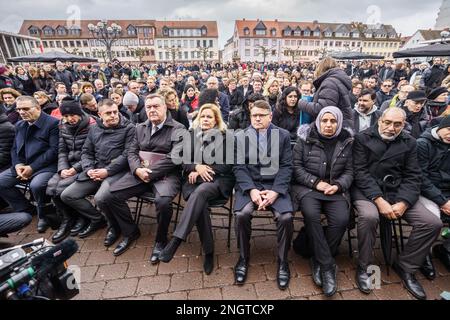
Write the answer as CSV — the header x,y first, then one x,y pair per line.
x,y
42,264
57,254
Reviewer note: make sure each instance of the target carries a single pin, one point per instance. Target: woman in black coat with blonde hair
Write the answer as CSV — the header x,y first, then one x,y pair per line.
x,y
205,180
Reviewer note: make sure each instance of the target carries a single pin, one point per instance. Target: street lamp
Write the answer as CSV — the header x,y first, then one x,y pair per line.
x,y
107,35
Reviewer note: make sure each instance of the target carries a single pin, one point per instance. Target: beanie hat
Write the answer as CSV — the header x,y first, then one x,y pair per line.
x,y
70,106
445,123
130,99
437,92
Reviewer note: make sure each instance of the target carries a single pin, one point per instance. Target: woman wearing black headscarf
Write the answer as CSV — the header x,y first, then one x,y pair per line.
x,y
323,174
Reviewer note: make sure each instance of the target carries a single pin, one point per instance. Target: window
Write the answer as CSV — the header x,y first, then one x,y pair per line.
x,y
338,44
45,44
52,44
311,43
297,33
48,31
260,32
325,43
61,31
331,43
131,31
265,42
274,42
274,32
211,43
72,44
328,34
65,44
205,43
160,56
307,33
199,43
192,54
185,43
359,44
247,52
33,31
255,52
179,43
317,43
85,43
247,42
192,43
256,42
316,33
58,44
78,44
286,42
186,55
355,35
166,43
287,32
167,55
159,42
246,31
147,32
171,32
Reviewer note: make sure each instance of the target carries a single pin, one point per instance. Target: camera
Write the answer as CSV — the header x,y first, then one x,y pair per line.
x,y
38,271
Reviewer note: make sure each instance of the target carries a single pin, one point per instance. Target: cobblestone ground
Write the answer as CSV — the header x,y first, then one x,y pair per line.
x,y
131,276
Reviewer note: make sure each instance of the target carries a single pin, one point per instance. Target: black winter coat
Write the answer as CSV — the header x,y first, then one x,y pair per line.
x,y
333,88
236,99
287,121
223,172
310,162
239,119
7,134
374,159
434,160
107,148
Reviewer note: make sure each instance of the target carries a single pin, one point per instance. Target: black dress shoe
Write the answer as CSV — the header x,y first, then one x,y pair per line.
x,y
240,271
42,226
92,228
363,280
329,280
63,231
111,237
159,246
443,255
79,226
283,275
208,264
168,252
315,269
410,282
427,269
125,244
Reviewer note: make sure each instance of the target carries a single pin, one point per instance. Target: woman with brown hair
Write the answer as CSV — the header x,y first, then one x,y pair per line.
x,y
8,98
24,79
45,102
203,183
333,87
43,81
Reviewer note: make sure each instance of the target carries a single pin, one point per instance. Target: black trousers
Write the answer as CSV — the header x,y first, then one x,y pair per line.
x,y
196,213
115,208
325,244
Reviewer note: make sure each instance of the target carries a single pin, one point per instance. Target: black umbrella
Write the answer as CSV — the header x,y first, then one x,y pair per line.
x,y
432,50
52,56
350,55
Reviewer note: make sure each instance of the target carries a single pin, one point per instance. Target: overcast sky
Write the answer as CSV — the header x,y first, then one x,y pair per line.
x,y
405,15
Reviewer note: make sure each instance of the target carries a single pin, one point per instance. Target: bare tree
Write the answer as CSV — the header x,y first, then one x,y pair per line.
x,y
174,52
139,52
205,53
293,53
265,52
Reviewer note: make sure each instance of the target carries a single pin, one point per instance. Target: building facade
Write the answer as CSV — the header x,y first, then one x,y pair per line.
x,y
139,40
256,40
14,45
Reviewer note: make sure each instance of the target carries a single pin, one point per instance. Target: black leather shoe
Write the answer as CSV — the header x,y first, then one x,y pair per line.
x,y
92,228
427,269
240,271
111,237
208,264
63,231
443,255
125,244
329,280
79,226
315,269
363,280
283,275
42,226
410,282
168,252
159,246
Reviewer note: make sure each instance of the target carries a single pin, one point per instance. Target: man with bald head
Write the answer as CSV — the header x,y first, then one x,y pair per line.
x,y
224,102
385,154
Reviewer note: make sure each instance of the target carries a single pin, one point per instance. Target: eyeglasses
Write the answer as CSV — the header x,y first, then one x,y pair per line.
x,y
388,123
255,116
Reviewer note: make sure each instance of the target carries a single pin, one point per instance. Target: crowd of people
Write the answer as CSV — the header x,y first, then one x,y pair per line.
x,y
334,130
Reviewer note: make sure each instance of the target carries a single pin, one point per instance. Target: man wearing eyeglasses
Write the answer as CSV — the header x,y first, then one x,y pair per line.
x,y
260,189
385,92
387,182
34,160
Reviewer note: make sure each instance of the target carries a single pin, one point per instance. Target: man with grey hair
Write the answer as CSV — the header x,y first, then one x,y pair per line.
x,y
224,101
63,75
34,158
159,176
387,183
